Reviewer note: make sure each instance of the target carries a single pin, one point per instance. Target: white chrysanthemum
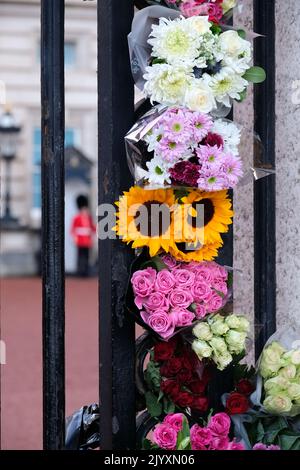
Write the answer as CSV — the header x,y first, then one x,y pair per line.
x,y
152,137
158,173
230,133
225,85
199,97
175,41
167,84
209,50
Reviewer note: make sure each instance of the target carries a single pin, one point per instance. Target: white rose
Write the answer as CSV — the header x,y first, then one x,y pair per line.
x,y
294,391
235,341
288,372
219,346
218,326
199,97
228,5
232,44
200,24
201,348
222,360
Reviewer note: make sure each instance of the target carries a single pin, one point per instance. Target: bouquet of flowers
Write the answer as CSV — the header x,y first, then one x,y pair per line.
x,y
173,295
219,338
175,378
191,61
175,433
180,147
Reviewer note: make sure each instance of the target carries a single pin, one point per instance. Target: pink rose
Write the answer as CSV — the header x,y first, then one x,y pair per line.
x,y
261,446
190,8
219,443
165,437
219,272
200,311
169,261
156,301
214,303
182,317
200,437
201,292
184,278
234,445
204,273
220,286
174,420
160,322
165,281
219,424
180,298
143,284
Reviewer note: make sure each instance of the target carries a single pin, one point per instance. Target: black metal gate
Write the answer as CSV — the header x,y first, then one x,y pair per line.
x,y
116,113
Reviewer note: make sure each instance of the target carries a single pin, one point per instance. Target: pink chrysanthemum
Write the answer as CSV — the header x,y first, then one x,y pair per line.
x,y
201,124
177,126
211,181
232,167
170,150
210,156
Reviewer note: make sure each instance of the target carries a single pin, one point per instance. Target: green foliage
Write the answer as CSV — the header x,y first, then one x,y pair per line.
x,y
168,406
156,262
255,75
153,406
183,438
152,376
156,60
242,33
216,29
276,430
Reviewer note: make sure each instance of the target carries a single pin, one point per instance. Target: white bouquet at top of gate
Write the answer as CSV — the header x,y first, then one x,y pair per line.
x,y
191,62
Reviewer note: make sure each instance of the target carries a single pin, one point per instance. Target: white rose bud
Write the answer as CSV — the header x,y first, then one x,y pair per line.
x,y
201,348
222,360
202,331
233,321
276,385
199,97
279,403
232,44
294,391
219,346
200,24
218,326
236,341
288,372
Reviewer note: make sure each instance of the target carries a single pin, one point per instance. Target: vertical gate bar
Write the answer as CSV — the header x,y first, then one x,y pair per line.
x,y
265,189
53,123
116,330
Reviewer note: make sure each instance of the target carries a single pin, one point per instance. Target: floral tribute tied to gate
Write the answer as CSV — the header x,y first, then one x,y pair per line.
x,y
185,157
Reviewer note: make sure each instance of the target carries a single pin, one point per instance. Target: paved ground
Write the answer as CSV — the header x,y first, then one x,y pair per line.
x,y
22,375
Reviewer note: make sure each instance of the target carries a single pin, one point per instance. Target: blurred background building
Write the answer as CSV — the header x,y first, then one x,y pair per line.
x,y
20,94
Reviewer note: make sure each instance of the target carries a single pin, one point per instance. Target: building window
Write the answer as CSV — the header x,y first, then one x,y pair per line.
x,y
70,53
70,140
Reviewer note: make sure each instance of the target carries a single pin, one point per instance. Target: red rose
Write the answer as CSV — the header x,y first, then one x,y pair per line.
x,y
237,403
245,387
170,387
184,376
164,350
189,360
197,387
200,403
171,367
183,399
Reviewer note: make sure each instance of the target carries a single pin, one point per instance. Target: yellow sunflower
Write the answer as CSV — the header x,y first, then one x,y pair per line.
x,y
205,216
195,252
145,217
198,223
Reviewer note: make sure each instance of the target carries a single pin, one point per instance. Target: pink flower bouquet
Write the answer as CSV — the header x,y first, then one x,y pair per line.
x,y
173,295
174,433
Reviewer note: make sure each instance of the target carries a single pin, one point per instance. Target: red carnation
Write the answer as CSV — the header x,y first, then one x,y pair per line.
x,y
245,387
170,387
214,139
183,399
185,173
215,12
164,350
171,367
237,403
200,404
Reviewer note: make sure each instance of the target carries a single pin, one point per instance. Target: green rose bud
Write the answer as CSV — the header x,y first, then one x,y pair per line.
x,y
276,385
202,331
235,341
218,326
201,348
219,346
233,321
289,371
222,360
280,403
294,391
244,324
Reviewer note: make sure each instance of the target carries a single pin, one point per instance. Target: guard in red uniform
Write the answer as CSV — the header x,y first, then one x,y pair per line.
x,y
83,229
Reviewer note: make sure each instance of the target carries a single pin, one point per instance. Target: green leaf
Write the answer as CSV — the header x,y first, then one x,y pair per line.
x,y
242,33
169,406
152,376
154,408
215,29
158,61
184,444
260,432
147,444
287,442
160,396
230,279
243,96
159,264
184,434
255,75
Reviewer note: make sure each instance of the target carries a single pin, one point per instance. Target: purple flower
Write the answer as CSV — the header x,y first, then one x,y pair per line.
x,y
143,284
160,322
182,316
170,150
232,167
211,156
169,261
211,181
155,301
201,124
177,126
165,281
184,278
260,446
180,298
